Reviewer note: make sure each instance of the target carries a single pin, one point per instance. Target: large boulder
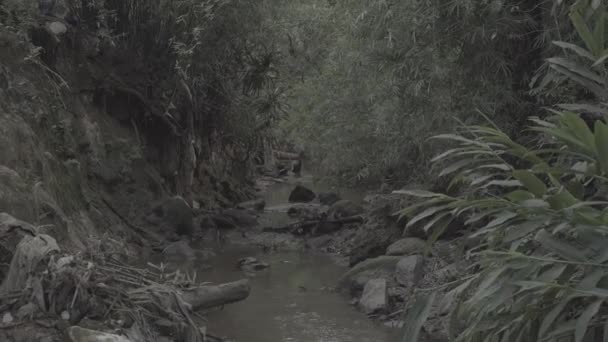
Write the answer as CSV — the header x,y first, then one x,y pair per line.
x,y
301,194
175,214
382,267
344,208
371,240
407,246
328,198
409,270
374,298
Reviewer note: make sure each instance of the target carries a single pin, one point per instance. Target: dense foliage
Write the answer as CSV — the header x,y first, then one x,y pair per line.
x,y
539,210
372,81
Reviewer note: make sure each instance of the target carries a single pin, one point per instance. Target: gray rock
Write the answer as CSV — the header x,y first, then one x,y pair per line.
x,y
374,298
409,270
57,28
449,273
173,213
344,208
252,264
179,249
301,194
358,276
78,334
407,246
328,198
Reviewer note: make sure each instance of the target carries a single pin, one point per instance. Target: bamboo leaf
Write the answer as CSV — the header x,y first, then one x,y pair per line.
x,y
582,323
577,69
418,193
583,31
551,316
416,316
531,182
601,144
562,249
577,49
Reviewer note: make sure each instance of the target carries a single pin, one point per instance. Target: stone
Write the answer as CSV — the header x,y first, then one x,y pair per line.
x,y
175,214
448,273
252,264
344,208
328,198
78,334
301,194
358,276
255,204
374,297
409,269
179,249
57,28
407,246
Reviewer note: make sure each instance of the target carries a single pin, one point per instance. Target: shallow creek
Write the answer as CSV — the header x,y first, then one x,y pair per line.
x,y
293,300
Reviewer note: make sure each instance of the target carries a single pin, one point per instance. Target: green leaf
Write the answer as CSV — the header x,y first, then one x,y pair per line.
x,y
576,68
531,182
601,60
583,31
518,231
562,249
582,323
519,196
601,144
598,90
561,200
426,213
579,129
418,193
416,316
551,316
577,49
456,166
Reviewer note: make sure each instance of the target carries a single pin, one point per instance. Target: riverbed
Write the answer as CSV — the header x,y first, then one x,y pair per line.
x,y
294,300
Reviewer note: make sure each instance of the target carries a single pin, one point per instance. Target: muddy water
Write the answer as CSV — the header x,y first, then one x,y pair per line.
x,y
294,299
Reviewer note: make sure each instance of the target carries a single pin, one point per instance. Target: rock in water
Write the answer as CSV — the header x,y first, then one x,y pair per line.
x,y
409,270
344,208
301,194
407,246
252,264
374,297
328,198
78,334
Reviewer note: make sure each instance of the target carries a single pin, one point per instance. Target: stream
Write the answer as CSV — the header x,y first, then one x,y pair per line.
x,y
294,299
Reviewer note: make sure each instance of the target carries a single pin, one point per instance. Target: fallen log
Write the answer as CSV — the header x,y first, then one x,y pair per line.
x,y
209,296
302,226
